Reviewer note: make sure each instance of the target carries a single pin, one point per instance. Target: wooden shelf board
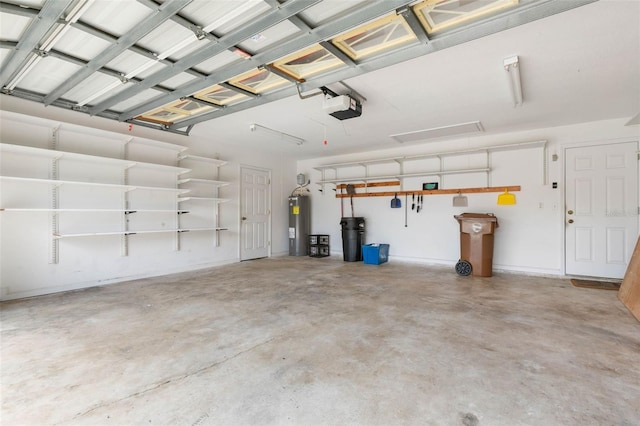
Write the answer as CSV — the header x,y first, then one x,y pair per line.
x,y
454,191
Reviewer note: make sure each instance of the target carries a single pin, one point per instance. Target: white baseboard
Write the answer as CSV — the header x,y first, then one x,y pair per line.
x,y
97,283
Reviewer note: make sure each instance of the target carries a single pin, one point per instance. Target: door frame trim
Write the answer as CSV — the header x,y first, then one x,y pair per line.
x,y
242,166
563,147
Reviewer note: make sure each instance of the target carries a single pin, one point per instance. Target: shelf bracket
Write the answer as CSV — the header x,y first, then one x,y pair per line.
x,y
55,202
322,179
177,221
545,165
489,163
124,248
401,168
216,210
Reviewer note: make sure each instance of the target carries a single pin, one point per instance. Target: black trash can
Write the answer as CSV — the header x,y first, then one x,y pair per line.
x,y
352,238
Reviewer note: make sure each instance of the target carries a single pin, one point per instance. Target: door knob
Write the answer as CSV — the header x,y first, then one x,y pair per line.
x,y
570,212
244,218
570,220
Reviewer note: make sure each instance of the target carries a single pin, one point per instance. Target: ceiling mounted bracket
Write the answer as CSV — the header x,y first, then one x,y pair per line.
x,y
512,68
199,32
328,92
164,127
353,92
310,95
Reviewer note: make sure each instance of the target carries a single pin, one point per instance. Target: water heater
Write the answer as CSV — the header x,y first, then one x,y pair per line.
x,y
299,225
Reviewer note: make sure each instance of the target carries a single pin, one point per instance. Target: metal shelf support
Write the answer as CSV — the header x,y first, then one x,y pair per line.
x,y
55,201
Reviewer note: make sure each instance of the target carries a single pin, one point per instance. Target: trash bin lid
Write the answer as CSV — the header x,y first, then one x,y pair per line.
x,y
477,217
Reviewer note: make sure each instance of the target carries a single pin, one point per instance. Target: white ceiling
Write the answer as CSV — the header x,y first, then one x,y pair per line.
x,y
577,66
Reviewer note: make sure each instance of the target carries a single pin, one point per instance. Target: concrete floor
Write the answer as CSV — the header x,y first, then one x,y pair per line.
x,y
304,341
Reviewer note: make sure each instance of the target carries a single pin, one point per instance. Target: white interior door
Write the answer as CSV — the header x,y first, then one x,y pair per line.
x,y
255,213
601,209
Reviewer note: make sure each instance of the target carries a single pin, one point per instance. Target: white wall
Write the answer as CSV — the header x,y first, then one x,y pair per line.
x,y
84,262
530,237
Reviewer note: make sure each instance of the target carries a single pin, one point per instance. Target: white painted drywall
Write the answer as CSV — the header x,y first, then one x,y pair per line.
x,y
530,237
89,261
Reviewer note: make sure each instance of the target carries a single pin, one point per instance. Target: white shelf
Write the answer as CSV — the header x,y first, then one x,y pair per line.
x,y
406,175
400,161
33,168
153,231
206,181
129,211
126,188
95,210
21,149
219,200
363,163
203,175
158,144
215,161
388,160
91,132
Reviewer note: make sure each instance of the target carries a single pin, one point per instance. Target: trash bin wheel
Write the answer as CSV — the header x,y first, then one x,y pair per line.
x,y
463,268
